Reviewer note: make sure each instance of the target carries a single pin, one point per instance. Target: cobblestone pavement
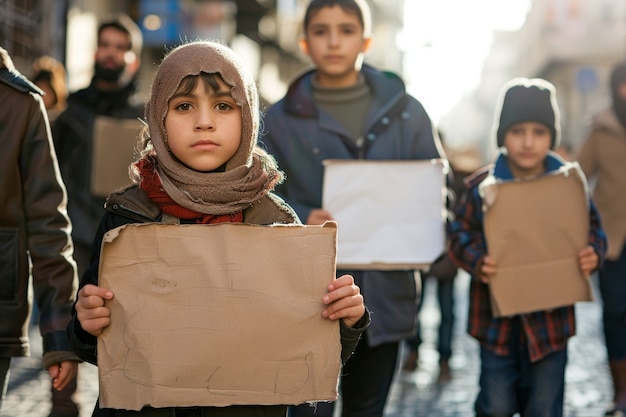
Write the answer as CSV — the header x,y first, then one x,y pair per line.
x,y
415,394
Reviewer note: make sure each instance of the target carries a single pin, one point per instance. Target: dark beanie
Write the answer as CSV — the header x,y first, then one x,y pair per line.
x,y
528,100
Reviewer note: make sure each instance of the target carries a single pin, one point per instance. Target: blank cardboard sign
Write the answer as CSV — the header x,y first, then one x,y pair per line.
x,y
534,231
390,214
216,315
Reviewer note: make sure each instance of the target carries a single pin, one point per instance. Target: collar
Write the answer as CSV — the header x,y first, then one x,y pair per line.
x,y
502,171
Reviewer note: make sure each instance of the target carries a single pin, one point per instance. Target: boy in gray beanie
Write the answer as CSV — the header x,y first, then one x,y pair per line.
x,y
523,356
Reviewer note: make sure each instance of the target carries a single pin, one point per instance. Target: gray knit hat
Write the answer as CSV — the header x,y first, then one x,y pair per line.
x,y
528,100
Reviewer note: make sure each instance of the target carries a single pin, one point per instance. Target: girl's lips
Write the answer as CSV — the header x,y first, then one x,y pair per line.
x,y
204,144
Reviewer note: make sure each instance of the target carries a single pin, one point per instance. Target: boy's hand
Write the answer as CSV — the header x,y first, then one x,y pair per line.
x,y
62,373
344,301
486,269
90,310
587,260
319,216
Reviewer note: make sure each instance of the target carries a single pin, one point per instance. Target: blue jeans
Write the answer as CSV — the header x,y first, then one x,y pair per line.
x,y
445,296
512,384
613,291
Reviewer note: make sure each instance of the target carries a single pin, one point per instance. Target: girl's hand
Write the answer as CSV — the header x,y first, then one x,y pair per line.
x,y
486,269
90,310
344,301
587,260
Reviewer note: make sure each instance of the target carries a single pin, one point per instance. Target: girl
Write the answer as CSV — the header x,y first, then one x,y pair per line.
x,y
199,165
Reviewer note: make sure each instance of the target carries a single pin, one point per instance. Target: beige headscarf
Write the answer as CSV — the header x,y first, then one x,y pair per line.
x,y
249,175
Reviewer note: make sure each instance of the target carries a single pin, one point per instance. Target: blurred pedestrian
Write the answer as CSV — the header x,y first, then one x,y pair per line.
x,y
602,158
523,357
34,233
443,272
343,109
199,165
111,93
50,76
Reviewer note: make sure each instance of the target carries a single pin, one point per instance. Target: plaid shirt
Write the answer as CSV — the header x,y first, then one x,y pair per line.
x,y
543,331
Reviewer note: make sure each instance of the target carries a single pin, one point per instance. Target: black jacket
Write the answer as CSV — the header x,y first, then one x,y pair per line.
x,y
73,140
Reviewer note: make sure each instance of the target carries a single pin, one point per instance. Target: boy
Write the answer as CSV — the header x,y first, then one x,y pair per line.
x,y
523,357
199,165
343,109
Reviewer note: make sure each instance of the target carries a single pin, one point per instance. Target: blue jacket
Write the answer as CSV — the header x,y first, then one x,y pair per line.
x,y
301,136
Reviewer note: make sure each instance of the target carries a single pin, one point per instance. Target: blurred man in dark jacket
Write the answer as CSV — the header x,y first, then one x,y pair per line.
x,y
34,230
109,94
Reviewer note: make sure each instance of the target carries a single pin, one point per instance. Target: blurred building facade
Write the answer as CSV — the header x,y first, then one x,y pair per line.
x,y
264,32
572,43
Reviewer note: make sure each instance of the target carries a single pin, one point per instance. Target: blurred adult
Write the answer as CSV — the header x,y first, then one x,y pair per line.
x,y
111,93
50,76
602,159
443,271
35,241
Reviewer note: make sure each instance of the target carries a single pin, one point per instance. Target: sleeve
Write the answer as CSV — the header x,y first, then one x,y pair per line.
x,y
467,240
83,343
49,240
350,336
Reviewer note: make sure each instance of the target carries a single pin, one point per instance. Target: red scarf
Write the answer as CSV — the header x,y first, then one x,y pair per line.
x,y
151,184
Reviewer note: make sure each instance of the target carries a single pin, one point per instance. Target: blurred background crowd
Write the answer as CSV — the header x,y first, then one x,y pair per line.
x,y
572,43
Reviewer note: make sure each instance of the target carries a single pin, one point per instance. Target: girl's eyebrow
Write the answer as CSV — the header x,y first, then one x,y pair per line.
x,y
220,93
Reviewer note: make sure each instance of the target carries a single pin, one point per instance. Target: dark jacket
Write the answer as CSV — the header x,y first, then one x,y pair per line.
x,y
133,206
73,140
33,224
301,136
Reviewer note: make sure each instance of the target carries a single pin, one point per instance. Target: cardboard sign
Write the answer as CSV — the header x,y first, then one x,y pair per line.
x,y
216,315
113,151
534,230
390,214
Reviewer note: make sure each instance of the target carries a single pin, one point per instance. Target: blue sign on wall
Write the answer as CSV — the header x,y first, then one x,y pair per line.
x,y
587,79
160,22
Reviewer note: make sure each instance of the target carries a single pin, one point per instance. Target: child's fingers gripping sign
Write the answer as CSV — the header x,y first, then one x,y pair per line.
x,y
344,301
90,310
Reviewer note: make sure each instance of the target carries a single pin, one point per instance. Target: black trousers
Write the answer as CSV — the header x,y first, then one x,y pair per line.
x,y
365,383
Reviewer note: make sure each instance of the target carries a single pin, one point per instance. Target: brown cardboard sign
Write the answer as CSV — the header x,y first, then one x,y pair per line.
x,y
390,214
534,230
113,151
216,315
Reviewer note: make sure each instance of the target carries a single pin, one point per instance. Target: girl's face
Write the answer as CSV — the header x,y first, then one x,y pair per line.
x,y
204,126
335,42
527,145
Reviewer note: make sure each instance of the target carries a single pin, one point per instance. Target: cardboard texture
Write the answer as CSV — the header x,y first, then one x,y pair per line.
x,y
113,151
216,315
390,214
534,230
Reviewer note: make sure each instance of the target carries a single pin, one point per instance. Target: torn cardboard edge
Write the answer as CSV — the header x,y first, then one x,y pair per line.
x,y
218,315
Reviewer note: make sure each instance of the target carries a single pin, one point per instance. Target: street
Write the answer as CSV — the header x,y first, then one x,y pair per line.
x,y
416,394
